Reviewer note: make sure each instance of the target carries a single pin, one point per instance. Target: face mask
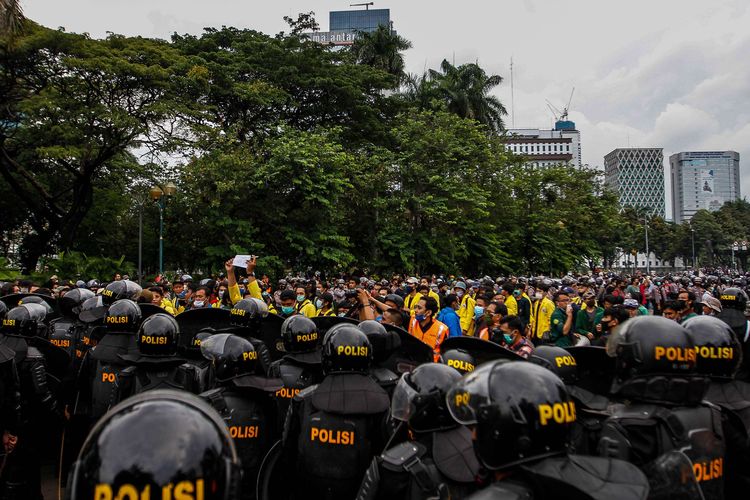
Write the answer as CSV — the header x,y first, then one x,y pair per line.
x,y
379,319
300,298
478,310
182,294
516,293
341,314
198,303
409,289
508,338
683,304
460,294
538,296
319,304
419,317
221,294
287,309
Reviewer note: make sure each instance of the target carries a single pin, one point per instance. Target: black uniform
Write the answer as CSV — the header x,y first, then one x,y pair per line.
x,y
334,429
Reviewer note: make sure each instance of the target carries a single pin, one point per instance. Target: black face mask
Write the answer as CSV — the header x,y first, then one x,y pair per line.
x,y
683,304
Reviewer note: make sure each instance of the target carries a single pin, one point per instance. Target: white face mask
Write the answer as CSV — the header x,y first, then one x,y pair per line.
x,y
198,303
459,293
538,296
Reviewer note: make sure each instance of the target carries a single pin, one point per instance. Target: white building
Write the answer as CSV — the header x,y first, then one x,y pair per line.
x,y
703,180
545,148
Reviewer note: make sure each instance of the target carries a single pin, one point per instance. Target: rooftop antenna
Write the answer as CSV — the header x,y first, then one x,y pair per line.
x,y
512,97
365,5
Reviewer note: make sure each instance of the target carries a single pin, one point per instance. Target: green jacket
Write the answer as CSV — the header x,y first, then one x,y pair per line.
x,y
584,325
556,328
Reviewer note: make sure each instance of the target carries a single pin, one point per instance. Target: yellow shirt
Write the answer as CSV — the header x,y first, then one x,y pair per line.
x,y
541,314
466,314
512,305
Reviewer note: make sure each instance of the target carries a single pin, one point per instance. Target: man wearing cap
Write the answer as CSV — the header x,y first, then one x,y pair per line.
x,y
589,316
466,309
711,305
412,295
631,305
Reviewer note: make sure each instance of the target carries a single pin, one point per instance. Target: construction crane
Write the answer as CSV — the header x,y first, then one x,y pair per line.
x,y
561,115
365,5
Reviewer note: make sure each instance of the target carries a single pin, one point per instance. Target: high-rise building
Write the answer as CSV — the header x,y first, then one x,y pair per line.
x,y
637,176
703,180
544,148
344,25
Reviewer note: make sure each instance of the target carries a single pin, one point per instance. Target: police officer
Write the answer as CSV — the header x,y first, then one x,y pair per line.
x,y
384,343
10,399
520,436
39,407
156,364
459,359
67,330
196,368
663,410
160,444
99,378
244,400
439,461
334,429
733,303
719,357
301,366
246,318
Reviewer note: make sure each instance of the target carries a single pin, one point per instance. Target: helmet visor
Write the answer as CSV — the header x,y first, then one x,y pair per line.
x,y
469,394
402,405
213,346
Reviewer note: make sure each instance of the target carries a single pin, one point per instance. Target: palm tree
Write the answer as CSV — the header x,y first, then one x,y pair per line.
x,y
11,17
466,92
421,92
382,49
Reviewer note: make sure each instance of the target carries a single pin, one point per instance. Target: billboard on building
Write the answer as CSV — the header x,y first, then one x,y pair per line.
x,y
708,198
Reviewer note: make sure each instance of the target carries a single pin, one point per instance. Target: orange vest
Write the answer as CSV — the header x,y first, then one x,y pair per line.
x,y
432,337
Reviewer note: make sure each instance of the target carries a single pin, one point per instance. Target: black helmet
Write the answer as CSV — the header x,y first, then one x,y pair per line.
x,y
158,335
346,349
248,313
199,337
123,289
396,299
719,352
299,334
3,310
419,397
92,310
36,299
558,361
521,412
70,303
235,359
460,359
733,298
656,361
123,316
26,319
160,440
383,341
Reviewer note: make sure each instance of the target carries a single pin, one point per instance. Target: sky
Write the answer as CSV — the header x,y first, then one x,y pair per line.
x,y
673,74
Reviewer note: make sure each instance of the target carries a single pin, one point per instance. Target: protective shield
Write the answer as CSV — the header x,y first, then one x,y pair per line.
x,y
596,369
481,350
272,482
412,352
671,476
325,323
195,320
149,310
16,299
270,331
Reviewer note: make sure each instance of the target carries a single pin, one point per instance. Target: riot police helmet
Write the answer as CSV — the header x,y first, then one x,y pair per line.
x,y
123,316
3,309
558,361
24,319
118,290
235,360
159,441
158,335
396,299
419,397
716,345
655,361
383,341
520,412
299,334
93,310
70,303
733,298
459,359
248,313
346,349
36,299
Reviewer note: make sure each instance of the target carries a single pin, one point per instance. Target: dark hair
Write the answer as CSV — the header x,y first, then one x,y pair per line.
x,y
156,289
513,322
430,304
205,289
613,299
509,287
556,297
499,308
691,295
450,299
423,287
485,298
326,297
287,294
617,312
398,318
673,305
192,286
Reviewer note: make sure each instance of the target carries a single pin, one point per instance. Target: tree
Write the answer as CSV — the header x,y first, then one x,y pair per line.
x,y
11,18
72,109
466,92
381,49
305,22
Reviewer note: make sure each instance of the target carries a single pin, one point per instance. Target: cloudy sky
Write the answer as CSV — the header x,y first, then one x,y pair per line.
x,y
648,73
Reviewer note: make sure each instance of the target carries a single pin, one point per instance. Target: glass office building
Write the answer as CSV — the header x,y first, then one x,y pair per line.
x,y
703,180
359,20
637,176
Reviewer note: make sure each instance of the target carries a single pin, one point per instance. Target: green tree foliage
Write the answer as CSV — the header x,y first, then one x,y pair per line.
x,y
382,49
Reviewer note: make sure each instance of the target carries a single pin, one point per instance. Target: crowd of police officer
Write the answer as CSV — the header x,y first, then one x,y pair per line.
x,y
242,403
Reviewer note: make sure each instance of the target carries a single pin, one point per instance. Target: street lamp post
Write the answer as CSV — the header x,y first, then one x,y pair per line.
x,y
648,254
692,232
160,197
